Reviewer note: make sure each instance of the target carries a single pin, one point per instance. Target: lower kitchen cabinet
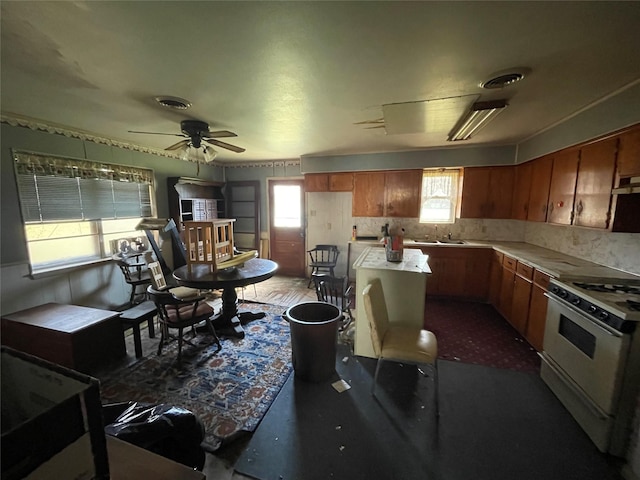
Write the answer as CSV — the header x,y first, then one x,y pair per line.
x,y
521,295
537,310
458,272
495,279
506,286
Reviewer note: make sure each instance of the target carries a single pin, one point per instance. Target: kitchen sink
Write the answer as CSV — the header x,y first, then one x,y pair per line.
x,y
453,242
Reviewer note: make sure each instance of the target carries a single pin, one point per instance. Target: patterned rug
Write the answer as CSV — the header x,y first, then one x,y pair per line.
x,y
475,333
230,391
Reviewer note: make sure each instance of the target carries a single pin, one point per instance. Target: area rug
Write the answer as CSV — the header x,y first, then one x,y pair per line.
x,y
229,391
475,333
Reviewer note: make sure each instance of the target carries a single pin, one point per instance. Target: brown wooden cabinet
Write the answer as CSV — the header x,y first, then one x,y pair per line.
x,y
563,186
458,272
534,332
495,279
506,286
629,153
539,192
388,194
521,191
328,182
521,294
368,194
487,192
594,184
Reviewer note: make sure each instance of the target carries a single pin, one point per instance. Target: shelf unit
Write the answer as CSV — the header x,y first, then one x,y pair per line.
x,y
243,204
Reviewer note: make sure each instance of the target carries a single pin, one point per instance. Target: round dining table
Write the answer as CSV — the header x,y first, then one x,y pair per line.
x,y
229,321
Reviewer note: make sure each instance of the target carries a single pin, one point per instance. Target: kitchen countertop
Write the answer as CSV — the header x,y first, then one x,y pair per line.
x,y
556,264
413,260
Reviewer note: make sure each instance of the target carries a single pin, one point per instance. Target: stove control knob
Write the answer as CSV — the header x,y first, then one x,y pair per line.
x,y
576,301
562,293
592,309
554,289
603,315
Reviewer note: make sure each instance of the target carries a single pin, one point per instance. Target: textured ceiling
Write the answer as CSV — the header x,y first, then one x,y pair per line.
x,y
296,78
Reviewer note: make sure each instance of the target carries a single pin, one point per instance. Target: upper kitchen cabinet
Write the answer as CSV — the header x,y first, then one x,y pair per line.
x,y
487,192
539,191
563,186
402,193
629,154
521,191
328,182
387,194
595,180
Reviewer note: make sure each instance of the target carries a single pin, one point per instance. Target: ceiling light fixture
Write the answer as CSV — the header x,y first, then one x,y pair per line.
x,y
480,114
199,154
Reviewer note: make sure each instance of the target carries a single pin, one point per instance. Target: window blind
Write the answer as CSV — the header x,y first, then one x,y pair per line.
x,y
58,189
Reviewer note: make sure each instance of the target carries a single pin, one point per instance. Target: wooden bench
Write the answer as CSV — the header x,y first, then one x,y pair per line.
x,y
134,316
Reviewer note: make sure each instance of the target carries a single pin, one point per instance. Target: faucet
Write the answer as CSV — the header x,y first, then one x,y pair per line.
x,y
449,236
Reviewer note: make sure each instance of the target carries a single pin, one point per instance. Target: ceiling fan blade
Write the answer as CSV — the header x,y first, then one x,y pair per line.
x,y
178,145
158,133
371,128
219,134
228,146
370,122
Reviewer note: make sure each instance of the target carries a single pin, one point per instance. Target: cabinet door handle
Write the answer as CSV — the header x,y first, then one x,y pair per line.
x,y
550,207
579,207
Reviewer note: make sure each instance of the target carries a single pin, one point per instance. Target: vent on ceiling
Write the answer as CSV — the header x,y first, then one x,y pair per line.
x,y
502,79
174,102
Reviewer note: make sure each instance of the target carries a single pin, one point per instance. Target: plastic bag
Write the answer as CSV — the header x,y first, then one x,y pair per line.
x,y
170,431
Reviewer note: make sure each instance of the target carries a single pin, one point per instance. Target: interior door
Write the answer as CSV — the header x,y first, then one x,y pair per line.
x,y
287,226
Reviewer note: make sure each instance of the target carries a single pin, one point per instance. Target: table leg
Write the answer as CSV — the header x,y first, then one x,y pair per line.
x,y
227,322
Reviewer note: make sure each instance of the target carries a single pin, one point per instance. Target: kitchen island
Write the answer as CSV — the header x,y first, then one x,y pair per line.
x,y
404,284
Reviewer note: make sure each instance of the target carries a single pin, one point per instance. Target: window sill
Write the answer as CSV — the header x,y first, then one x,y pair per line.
x,y
53,271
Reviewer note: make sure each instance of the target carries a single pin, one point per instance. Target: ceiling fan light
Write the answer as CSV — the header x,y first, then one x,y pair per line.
x,y
209,153
185,152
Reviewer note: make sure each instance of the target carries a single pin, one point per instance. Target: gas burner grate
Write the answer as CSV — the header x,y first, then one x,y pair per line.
x,y
633,305
599,287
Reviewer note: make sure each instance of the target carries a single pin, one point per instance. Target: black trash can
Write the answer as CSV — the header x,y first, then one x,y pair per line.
x,y
314,331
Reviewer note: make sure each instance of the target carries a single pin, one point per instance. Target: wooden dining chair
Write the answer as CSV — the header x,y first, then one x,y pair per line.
x,y
180,313
397,343
135,273
336,291
323,259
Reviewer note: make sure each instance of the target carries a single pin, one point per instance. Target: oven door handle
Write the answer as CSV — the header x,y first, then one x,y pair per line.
x,y
592,321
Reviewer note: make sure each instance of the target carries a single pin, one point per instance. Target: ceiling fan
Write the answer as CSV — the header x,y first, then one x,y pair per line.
x,y
196,132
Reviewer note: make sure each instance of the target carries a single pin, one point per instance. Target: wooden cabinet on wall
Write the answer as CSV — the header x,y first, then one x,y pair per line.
x,y
539,191
328,182
487,192
629,154
563,187
594,184
521,191
387,194
534,332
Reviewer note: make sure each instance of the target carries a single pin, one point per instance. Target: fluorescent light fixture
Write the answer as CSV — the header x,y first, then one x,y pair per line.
x,y
479,115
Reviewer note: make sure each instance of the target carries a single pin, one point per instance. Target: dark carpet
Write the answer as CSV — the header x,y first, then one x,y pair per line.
x,y
494,424
476,333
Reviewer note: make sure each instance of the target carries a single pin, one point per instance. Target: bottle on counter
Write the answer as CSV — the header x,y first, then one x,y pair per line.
x,y
354,233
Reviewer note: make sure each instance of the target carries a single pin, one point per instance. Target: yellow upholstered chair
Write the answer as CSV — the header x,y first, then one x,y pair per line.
x,y
398,343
